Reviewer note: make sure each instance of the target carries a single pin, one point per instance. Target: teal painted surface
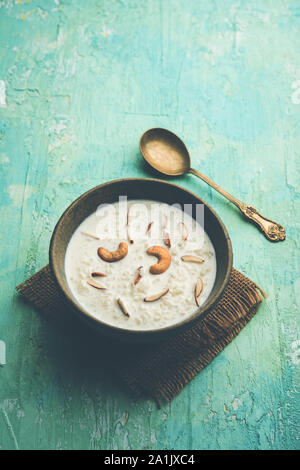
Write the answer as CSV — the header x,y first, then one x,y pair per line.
x,y
79,83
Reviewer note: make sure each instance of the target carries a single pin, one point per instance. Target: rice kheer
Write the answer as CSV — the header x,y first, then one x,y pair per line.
x,y
112,258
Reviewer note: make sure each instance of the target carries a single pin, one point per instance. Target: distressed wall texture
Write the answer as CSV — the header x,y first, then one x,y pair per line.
x,y
79,82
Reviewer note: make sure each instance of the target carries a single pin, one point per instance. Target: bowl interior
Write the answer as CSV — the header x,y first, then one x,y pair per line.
x,y
139,188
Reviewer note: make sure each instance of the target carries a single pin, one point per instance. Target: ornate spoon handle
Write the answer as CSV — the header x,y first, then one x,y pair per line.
x,y
273,231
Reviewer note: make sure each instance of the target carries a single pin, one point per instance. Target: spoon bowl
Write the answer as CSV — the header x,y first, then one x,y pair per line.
x,y
165,152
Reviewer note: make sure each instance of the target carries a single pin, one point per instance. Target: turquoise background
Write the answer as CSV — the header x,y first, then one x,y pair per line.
x,y
79,83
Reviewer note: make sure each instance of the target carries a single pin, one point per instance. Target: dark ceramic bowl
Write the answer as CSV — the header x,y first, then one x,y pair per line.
x,y
138,188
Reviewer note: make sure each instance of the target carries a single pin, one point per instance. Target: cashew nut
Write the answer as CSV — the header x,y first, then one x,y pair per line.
x,y
111,256
164,259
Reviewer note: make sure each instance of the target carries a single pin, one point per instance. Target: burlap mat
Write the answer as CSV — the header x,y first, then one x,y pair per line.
x,y
162,370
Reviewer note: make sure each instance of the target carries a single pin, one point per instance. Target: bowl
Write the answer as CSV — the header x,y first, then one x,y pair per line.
x,y
138,188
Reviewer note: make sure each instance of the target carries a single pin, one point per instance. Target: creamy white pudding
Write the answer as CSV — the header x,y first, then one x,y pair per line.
x,y
127,300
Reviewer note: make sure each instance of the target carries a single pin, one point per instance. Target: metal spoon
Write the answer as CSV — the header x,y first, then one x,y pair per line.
x,y
166,152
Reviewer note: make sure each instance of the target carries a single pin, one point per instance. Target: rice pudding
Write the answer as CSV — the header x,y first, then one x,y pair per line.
x,y
140,264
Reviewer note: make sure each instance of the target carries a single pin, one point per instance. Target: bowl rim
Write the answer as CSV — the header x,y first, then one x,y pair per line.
x,y
200,312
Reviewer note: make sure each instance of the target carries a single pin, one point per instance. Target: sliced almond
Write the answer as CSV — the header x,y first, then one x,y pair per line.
x,y
154,297
198,290
90,235
98,274
164,221
128,235
123,308
149,227
128,216
184,231
95,284
140,273
167,240
192,259
128,226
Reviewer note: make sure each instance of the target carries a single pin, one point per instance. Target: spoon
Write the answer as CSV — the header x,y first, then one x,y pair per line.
x,y
166,153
